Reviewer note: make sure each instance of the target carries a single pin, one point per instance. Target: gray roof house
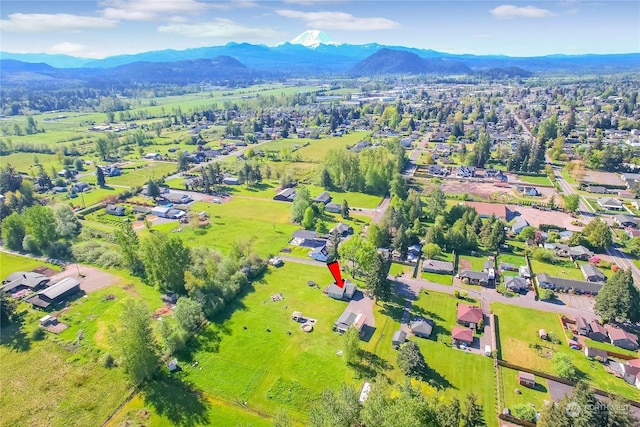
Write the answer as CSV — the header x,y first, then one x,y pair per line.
x,y
115,210
307,239
475,277
21,280
435,266
597,332
626,220
286,195
519,225
568,285
333,208
608,203
399,337
516,284
323,198
348,319
421,328
591,273
345,292
55,293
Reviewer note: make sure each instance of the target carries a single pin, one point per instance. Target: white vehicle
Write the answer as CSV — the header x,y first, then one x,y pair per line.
x,y
487,350
276,262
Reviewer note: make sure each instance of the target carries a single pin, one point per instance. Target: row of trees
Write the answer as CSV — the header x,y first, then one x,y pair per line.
x,y
370,171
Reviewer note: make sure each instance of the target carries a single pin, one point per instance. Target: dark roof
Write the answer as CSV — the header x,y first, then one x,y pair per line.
x,y
287,193
323,198
596,352
304,234
596,327
55,290
115,208
617,334
591,270
580,285
23,278
474,275
436,265
515,282
581,323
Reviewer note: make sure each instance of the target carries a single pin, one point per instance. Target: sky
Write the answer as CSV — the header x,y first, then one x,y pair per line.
x,y
102,28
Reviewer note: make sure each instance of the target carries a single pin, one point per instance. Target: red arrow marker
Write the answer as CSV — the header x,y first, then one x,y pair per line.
x,y
334,268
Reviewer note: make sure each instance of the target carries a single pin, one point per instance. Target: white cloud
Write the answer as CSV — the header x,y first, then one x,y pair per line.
x,y
219,29
235,4
148,10
59,22
339,21
508,11
74,49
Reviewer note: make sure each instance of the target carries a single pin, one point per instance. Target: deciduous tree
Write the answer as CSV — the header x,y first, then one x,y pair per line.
x,y
619,299
165,260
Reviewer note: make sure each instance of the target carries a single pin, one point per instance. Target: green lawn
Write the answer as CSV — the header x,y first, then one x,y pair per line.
x,y
564,270
317,150
477,262
306,363
397,269
535,396
443,279
536,180
10,263
608,347
517,331
24,162
138,175
452,368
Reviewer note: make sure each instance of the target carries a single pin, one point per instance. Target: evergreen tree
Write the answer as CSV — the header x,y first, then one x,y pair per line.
x,y
473,415
377,283
619,299
100,177
344,210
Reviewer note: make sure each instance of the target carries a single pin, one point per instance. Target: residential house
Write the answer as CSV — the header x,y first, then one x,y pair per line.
x,y
55,293
177,198
528,191
341,229
59,189
469,316
505,266
475,277
568,285
461,336
524,272
516,284
526,379
24,280
519,225
399,337
332,207
115,210
465,171
439,267
320,253
421,328
580,252
610,204
413,253
231,180
485,210
323,198
591,273
80,187
593,353
626,221
597,332
582,326
597,189
630,373
167,212
286,195
621,338
349,319
306,238
152,156
345,292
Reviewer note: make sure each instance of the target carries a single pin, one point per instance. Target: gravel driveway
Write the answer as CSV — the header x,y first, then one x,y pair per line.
x,y
92,281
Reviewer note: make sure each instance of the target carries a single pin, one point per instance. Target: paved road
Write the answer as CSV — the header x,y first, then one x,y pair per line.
x,y
487,296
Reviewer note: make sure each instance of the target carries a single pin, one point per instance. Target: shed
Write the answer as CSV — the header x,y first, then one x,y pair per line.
x,y
172,365
543,334
399,337
582,326
421,328
297,316
323,198
526,379
115,210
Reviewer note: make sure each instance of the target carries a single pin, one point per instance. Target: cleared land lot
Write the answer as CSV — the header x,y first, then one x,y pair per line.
x,y
535,217
608,178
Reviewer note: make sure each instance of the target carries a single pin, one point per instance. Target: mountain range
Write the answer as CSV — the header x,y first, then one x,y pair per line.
x,y
312,53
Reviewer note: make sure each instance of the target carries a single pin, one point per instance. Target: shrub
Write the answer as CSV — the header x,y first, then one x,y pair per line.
x,y
524,412
107,360
38,334
547,294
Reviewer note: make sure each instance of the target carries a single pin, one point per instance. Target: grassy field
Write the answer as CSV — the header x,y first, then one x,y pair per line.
x,y
564,271
24,162
137,175
535,396
10,263
284,370
608,347
536,180
397,269
318,149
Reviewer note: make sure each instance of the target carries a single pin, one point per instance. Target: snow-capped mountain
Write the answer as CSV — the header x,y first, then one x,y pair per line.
x,y
313,39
